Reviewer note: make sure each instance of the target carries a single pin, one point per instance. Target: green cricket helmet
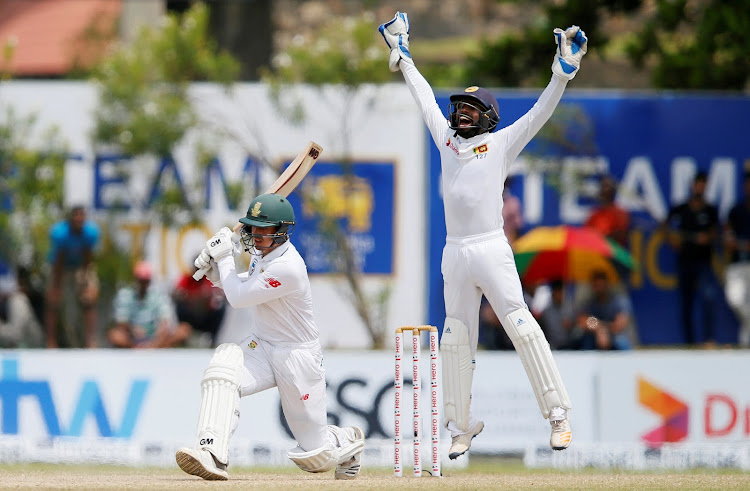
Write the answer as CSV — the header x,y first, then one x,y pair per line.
x,y
268,210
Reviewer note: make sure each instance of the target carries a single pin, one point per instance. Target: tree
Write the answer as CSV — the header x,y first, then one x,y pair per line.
x,y
31,190
695,45
346,53
145,109
684,45
523,58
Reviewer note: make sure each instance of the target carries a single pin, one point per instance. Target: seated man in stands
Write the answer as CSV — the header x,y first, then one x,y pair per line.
x,y
605,317
144,315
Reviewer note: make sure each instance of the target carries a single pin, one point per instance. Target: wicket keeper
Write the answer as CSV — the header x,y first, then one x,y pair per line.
x,y
477,258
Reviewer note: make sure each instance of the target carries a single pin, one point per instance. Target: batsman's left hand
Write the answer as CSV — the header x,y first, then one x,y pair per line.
x,y
572,44
220,245
396,35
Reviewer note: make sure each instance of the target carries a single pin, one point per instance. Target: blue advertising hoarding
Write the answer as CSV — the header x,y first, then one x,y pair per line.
x,y
653,144
359,197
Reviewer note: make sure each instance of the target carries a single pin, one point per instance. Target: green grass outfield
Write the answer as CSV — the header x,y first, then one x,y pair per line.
x,y
481,474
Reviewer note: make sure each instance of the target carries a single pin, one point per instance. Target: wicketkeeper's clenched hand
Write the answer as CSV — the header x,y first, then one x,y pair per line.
x,y
396,35
572,44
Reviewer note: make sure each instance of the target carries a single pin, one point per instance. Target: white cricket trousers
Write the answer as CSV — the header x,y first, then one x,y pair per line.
x,y
297,370
479,264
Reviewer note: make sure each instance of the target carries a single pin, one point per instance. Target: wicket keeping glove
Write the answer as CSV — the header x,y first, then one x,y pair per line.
x,y
396,35
220,245
572,44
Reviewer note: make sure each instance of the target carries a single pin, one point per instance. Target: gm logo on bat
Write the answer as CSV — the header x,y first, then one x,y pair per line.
x,y
314,153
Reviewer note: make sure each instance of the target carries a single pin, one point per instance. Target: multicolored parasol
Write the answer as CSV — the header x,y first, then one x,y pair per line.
x,y
568,253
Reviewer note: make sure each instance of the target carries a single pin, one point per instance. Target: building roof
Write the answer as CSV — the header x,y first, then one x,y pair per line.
x,y
47,33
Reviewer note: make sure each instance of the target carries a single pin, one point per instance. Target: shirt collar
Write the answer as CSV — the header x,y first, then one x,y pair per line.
x,y
279,251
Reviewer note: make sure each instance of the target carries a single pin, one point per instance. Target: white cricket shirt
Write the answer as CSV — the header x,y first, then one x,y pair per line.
x,y
276,291
474,169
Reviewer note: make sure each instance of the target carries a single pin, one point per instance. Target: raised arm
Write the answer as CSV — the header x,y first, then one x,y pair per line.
x,y
572,44
396,35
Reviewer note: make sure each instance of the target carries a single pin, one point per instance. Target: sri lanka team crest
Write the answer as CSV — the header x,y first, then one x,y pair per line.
x,y
480,149
252,344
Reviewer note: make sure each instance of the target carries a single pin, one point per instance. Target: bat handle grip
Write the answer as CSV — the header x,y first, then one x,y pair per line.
x,y
200,274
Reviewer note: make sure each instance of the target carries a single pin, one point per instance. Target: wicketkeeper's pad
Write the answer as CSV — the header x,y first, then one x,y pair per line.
x,y
458,373
536,357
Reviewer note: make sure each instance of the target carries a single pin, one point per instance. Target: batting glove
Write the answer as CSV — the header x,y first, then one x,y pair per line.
x,y
203,261
572,44
220,245
236,244
396,35
207,267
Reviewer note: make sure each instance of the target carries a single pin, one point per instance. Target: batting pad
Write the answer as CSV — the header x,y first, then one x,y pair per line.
x,y
533,348
220,400
319,460
458,373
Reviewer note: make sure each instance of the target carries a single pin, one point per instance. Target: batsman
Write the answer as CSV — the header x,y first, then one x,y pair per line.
x,y
282,349
477,258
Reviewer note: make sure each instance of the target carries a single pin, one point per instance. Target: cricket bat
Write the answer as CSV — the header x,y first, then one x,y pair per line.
x,y
287,181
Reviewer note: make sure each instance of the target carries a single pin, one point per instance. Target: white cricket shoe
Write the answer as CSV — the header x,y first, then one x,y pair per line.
x,y
201,463
462,443
561,434
351,460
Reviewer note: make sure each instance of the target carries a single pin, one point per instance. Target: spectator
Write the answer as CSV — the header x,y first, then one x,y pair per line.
x,y
738,271
31,284
613,222
73,288
605,317
491,332
143,315
19,327
692,228
512,213
557,318
200,306
608,218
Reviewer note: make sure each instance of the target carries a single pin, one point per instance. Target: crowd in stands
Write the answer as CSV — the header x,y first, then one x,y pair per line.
x,y
598,314
594,315
144,314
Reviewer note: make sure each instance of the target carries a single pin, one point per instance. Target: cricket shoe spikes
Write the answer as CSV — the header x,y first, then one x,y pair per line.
x,y
561,434
201,463
349,467
462,443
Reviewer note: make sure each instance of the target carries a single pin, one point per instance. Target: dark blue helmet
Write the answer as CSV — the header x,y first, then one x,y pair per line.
x,y
480,99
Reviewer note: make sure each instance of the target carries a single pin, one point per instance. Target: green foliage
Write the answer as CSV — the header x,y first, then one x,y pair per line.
x,y
687,45
8,50
144,106
90,45
696,45
31,190
346,52
145,110
523,58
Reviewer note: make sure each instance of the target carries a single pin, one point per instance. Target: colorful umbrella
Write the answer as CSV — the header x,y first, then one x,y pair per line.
x,y
568,253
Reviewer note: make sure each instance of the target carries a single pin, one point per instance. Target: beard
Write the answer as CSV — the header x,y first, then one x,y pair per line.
x,y
468,132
